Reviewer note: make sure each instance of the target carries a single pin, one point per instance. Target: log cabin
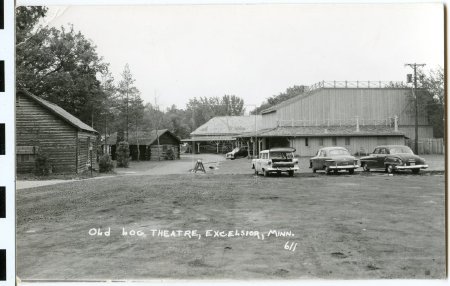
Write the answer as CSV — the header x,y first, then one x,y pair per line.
x,y
146,145
44,127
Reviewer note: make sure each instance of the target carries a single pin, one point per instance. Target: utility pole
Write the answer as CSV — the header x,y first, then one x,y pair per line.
x,y
416,125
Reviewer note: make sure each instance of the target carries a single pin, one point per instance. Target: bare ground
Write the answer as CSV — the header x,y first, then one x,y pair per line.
x,y
362,226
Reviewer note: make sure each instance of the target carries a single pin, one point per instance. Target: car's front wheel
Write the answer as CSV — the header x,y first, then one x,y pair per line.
x,y
390,169
415,171
351,171
266,174
365,167
291,173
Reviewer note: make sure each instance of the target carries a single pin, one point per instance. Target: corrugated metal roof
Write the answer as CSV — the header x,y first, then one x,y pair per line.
x,y
60,112
143,137
322,131
229,125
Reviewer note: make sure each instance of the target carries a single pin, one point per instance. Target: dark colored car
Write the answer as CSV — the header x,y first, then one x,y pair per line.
x,y
392,158
333,159
237,152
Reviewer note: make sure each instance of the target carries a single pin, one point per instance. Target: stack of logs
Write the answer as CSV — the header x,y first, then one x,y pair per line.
x,y
157,152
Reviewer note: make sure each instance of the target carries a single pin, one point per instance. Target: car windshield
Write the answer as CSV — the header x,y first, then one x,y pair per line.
x,y
401,150
235,149
281,155
338,152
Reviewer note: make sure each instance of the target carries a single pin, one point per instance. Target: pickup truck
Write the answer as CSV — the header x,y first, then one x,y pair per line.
x,y
276,160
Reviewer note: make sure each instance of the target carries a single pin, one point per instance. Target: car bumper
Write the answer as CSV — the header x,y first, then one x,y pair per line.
x,y
343,167
410,167
283,169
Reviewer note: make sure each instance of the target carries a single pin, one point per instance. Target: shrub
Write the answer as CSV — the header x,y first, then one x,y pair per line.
x,y
105,164
42,165
123,154
170,154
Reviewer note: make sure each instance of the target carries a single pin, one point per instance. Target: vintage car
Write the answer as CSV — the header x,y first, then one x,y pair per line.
x,y
276,160
333,159
237,153
392,158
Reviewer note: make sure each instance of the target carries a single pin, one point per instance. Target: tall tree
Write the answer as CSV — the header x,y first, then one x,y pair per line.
x,y
200,110
60,65
432,99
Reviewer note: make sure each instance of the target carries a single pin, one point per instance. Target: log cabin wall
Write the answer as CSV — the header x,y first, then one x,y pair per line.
x,y
86,140
166,140
37,129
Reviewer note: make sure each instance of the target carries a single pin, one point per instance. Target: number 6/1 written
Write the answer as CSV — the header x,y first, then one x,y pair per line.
x,y
290,247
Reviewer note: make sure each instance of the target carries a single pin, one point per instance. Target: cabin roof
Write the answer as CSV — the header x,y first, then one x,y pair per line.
x,y
58,111
143,137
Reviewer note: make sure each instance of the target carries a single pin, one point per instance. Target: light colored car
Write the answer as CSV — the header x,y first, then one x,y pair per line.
x,y
276,160
333,159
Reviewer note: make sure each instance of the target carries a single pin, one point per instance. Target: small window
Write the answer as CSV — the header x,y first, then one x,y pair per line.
x,y
376,151
347,141
306,141
382,140
334,141
320,141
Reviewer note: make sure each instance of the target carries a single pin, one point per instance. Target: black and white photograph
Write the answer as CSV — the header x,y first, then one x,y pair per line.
x,y
230,142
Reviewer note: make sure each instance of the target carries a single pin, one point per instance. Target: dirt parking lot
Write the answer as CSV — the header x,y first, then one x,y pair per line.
x,y
361,226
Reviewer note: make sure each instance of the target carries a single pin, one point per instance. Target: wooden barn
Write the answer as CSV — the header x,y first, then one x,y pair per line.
x,y
356,115
43,127
152,145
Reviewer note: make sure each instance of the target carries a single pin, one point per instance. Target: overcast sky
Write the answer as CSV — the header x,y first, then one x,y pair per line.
x,y
256,51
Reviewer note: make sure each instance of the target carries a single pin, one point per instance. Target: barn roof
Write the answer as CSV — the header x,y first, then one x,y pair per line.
x,y
60,112
324,131
143,137
228,125
335,85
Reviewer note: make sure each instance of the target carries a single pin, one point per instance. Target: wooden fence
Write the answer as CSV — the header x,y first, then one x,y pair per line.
x,y
428,145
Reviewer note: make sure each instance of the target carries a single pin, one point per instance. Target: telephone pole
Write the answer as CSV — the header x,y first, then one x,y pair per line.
x,y
416,104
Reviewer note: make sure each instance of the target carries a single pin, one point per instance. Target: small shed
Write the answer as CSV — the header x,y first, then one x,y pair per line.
x,y
148,145
42,126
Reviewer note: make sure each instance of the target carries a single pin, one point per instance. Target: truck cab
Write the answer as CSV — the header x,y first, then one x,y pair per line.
x,y
276,160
